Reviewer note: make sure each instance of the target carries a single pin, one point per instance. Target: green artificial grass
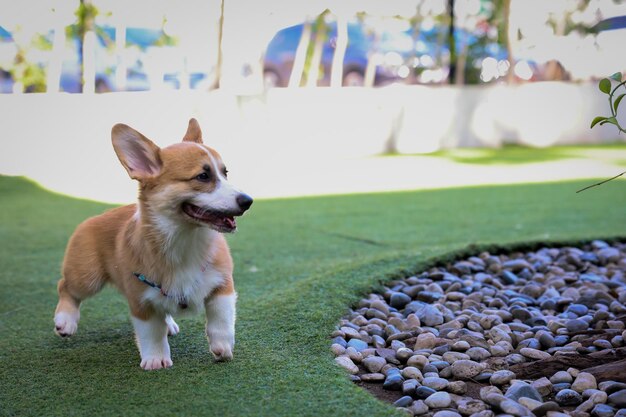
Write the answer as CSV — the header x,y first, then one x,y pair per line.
x,y
299,264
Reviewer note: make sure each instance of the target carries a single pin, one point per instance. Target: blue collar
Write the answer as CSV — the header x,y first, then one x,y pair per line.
x,y
182,303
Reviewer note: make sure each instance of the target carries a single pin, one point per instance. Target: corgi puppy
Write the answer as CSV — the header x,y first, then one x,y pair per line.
x,y
166,254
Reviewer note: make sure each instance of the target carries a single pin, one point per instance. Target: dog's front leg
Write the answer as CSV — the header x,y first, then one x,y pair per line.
x,y
152,341
220,324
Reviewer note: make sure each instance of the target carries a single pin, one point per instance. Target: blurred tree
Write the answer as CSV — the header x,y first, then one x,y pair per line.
x,y
28,76
341,44
298,68
562,24
370,69
481,28
452,71
501,22
84,31
218,65
313,67
53,73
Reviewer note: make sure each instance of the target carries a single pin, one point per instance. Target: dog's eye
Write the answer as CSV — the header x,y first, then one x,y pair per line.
x,y
203,177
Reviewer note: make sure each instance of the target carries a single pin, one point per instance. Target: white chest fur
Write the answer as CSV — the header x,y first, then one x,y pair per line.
x,y
192,277
190,287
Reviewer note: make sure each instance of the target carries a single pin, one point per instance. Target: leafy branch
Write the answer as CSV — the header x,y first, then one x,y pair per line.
x,y
605,86
601,182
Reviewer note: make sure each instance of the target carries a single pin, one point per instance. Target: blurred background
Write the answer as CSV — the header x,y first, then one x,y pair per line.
x,y
279,86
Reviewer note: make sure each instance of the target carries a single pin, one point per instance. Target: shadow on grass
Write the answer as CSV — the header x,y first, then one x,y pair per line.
x,y
516,154
507,155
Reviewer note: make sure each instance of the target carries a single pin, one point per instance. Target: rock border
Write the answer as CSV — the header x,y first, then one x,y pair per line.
x,y
523,333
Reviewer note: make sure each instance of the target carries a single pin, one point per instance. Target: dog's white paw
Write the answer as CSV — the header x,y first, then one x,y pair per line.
x,y
172,327
156,362
222,351
65,324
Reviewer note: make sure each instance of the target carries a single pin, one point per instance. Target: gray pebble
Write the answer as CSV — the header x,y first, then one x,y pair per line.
x,y
393,382
411,372
470,406
513,408
389,355
522,389
399,300
337,349
357,344
611,386
478,353
373,377
603,410
430,369
529,403
418,361
534,353
452,357
576,325
374,363
403,354
543,386
340,341
438,400
425,341
440,364
435,383
618,398
457,387
577,309
418,407
561,376
424,392
466,369
584,381
501,377
447,413
403,401
568,397
347,364
546,339
543,409
409,386
461,346
561,386
530,343
603,344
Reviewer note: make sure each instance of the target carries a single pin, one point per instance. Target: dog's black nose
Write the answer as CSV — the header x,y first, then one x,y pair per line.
x,y
244,201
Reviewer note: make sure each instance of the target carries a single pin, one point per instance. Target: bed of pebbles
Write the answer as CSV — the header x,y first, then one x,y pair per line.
x,y
456,340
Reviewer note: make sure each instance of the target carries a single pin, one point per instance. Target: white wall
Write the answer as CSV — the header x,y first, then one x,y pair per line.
x,y
56,137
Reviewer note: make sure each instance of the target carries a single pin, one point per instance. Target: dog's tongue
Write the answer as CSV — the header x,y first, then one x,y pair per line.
x,y
230,222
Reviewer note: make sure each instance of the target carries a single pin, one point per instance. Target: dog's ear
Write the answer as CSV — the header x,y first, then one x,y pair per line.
x,y
194,134
138,154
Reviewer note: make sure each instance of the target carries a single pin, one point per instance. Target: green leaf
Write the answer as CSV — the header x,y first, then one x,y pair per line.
x,y
617,77
605,85
610,120
616,102
597,120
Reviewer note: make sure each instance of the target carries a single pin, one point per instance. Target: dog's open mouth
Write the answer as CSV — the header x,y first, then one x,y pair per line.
x,y
222,222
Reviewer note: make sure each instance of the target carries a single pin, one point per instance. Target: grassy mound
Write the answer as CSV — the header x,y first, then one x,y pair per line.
x,y
299,264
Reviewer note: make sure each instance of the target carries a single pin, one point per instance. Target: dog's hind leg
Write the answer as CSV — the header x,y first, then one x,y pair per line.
x,y
67,313
172,327
71,295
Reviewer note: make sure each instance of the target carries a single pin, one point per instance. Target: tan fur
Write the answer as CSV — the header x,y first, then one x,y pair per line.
x,y
143,238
